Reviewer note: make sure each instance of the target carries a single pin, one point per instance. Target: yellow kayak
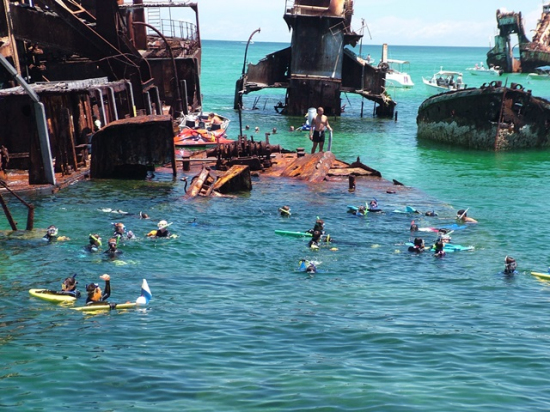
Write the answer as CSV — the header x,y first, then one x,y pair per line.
x,y
51,295
541,275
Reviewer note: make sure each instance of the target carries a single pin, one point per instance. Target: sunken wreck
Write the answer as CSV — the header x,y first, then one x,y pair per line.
x,y
317,67
532,54
492,117
71,68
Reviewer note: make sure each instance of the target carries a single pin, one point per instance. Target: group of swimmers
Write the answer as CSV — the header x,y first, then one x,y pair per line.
x,y
96,295
443,234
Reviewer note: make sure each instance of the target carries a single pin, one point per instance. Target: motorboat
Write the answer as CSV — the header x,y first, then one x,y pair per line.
x,y
482,70
395,76
541,73
444,81
203,130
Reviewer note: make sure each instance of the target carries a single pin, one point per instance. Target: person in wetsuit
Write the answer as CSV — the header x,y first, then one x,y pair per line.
x,y
439,248
162,230
95,295
418,245
94,243
112,251
510,265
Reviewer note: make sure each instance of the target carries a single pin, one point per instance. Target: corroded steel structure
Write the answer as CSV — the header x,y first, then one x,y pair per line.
x,y
532,54
317,67
492,117
91,62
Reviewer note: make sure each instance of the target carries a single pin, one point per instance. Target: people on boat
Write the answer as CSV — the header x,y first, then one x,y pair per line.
x,y
462,215
418,245
162,230
285,211
94,243
113,251
509,265
96,296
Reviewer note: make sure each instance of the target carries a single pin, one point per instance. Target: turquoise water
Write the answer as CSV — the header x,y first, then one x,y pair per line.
x,y
234,326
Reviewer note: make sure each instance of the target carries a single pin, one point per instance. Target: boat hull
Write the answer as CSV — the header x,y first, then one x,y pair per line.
x,y
489,118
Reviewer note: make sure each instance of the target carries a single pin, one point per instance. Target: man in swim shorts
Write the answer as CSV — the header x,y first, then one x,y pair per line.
x,y
317,132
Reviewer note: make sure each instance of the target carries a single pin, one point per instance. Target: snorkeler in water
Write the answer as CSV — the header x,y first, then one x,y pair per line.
x,y
113,251
95,295
510,265
162,230
94,243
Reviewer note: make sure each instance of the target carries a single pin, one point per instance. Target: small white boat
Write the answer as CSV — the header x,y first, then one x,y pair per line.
x,y
541,73
480,70
396,77
444,81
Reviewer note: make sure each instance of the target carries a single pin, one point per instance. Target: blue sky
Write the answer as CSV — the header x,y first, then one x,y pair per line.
x,y
396,22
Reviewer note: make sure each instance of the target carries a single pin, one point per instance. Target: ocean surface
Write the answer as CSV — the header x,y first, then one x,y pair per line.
x,y
235,326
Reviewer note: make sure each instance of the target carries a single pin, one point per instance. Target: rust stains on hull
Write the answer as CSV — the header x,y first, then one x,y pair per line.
x,y
490,118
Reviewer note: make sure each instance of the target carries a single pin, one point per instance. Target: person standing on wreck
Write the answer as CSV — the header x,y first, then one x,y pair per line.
x,y
317,132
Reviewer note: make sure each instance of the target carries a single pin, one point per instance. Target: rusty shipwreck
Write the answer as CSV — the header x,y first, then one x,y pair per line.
x,y
492,117
532,54
317,67
74,67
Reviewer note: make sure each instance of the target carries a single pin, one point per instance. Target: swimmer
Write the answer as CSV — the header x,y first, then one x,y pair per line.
x,y
509,265
418,245
285,211
462,215
162,230
95,295
315,239
120,232
439,248
94,243
307,266
52,235
414,227
113,247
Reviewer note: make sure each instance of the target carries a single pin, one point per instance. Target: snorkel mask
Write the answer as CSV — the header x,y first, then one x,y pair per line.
x,y
95,239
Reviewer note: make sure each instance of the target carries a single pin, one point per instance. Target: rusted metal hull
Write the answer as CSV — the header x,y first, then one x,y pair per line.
x,y
490,118
129,148
317,67
532,54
